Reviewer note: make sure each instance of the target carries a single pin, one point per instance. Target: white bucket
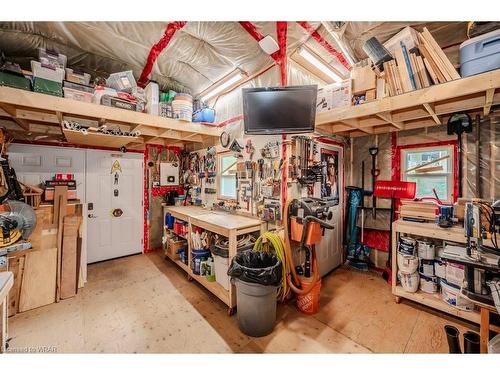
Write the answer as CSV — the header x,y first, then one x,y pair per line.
x,y
407,263
426,267
221,266
409,281
428,284
426,250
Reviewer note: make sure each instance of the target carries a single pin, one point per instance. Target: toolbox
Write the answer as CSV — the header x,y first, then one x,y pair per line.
x,y
480,54
112,101
78,86
78,95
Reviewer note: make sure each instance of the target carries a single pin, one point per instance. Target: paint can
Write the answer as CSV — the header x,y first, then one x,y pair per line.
x,y
428,284
409,281
407,246
407,263
426,267
426,250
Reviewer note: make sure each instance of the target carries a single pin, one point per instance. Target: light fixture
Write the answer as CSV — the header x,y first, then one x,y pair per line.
x,y
221,85
319,64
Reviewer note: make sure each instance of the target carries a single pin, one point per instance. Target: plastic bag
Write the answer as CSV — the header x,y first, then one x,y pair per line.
x,y
256,267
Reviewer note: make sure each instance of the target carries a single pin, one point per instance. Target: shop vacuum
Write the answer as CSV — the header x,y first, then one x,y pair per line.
x,y
305,223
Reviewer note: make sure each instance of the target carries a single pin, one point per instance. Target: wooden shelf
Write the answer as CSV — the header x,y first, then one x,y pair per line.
x,y
426,107
433,300
96,139
430,230
454,234
32,111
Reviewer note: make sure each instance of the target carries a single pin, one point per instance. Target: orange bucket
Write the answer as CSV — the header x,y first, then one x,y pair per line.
x,y
314,232
309,303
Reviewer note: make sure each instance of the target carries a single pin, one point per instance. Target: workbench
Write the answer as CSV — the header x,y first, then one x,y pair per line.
x,y
222,223
6,283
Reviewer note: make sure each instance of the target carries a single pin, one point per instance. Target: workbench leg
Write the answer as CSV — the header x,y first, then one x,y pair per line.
x,y
3,325
484,330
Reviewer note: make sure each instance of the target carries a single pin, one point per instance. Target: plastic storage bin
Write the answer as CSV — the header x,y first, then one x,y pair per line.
x,y
46,86
77,77
480,54
122,81
40,71
80,96
221,267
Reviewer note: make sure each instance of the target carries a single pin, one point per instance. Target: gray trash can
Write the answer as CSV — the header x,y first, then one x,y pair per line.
x,y
256,307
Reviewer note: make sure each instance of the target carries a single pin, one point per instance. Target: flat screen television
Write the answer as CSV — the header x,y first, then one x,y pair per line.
x,y
279,110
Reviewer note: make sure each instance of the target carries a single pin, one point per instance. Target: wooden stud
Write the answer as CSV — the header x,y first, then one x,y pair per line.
x,y
484,330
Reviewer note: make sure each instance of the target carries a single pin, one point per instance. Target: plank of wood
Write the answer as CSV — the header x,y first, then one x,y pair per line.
x,y
424,50
490,93
423,72
396,77
403,71
61,200
16,266
436,58
447,63
69,257
389,78
414,68
430,109
430,70
38,287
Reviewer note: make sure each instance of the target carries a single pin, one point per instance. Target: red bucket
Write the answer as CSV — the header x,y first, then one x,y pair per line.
x,y
309,303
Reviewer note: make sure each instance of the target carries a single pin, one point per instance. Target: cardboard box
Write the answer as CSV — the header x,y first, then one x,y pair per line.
x,y
363,79
333,96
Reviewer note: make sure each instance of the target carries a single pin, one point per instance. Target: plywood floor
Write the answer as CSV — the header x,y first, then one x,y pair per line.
x,y
144,303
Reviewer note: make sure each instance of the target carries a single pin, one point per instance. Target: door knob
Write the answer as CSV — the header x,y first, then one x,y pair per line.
x,y
91,216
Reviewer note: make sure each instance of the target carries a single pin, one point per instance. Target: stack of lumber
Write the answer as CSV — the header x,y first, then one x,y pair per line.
x,y
421,66
418,210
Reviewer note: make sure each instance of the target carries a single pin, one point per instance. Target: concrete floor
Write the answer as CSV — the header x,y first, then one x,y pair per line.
x,y
144,303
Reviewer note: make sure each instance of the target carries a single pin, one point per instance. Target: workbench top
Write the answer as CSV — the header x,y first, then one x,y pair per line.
x,y
187,210
217,218
6,282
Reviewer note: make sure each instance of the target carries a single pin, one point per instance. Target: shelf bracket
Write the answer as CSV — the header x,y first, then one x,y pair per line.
x,y
387,116
430,109
490,93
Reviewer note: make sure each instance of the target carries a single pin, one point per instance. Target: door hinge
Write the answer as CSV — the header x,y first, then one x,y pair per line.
x,y
142,241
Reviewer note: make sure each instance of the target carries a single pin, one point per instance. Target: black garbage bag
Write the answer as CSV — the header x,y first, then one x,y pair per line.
x,y
256,267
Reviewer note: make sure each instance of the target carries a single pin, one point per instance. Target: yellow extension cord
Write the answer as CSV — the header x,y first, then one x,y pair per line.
x,y
278,246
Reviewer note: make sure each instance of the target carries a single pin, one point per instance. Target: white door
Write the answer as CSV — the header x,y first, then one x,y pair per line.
x,y
114,204
329,250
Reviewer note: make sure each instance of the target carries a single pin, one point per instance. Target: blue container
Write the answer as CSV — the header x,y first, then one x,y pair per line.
x,y
204,115
197,256
480,54
169,221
